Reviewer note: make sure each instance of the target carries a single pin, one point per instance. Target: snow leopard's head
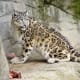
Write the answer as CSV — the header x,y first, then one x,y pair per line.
x,y
20,19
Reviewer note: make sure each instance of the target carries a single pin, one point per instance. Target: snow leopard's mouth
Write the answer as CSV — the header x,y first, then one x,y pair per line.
x,y
23,27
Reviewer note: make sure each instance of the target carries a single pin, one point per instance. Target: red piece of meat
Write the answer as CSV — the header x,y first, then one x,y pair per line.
x,y
14,74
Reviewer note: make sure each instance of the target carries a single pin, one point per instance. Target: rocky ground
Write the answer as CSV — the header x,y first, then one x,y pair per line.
x,y
40,70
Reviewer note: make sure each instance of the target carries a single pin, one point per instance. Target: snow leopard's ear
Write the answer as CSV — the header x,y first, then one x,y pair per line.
x,y
15,13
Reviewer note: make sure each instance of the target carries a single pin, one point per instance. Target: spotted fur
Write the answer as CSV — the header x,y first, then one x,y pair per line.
x,y
53,45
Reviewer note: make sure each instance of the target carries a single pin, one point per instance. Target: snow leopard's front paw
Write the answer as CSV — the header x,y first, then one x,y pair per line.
x,y
51,60
15,60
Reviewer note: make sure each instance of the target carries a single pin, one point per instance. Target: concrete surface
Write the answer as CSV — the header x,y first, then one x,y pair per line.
x,y
40,70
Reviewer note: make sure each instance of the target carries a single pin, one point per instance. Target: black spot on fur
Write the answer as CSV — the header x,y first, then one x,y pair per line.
x,y
56,61
55,55
72,51
23,48
46,35
40,44
51,52
60,56
27,44
60,53
51,30
72,59
26,50
77,54
50,55
28,40
46,45
59,50
29,49
78,60
25,40
42,39
23,31
22,38
70,47
55,50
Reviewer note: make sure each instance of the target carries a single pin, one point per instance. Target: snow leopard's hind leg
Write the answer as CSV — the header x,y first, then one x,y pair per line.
x,y
64,57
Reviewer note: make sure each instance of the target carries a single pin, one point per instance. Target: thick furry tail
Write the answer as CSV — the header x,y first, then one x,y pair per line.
x,y
75,56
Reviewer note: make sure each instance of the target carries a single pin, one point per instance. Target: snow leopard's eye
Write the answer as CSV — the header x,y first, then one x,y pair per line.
x,y
15,15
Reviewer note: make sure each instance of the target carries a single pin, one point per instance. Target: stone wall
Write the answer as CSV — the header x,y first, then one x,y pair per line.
x,y
4,68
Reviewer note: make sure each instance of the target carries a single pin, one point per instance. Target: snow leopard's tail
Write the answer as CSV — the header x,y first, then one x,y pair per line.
x,y
75,56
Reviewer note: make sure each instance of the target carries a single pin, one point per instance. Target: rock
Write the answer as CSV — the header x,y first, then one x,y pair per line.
x,y
39,70
4,68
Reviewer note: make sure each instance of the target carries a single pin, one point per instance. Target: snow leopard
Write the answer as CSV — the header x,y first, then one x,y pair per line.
x,y
54,47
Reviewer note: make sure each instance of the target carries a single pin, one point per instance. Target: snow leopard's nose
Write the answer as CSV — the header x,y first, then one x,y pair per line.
x,y
24,25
